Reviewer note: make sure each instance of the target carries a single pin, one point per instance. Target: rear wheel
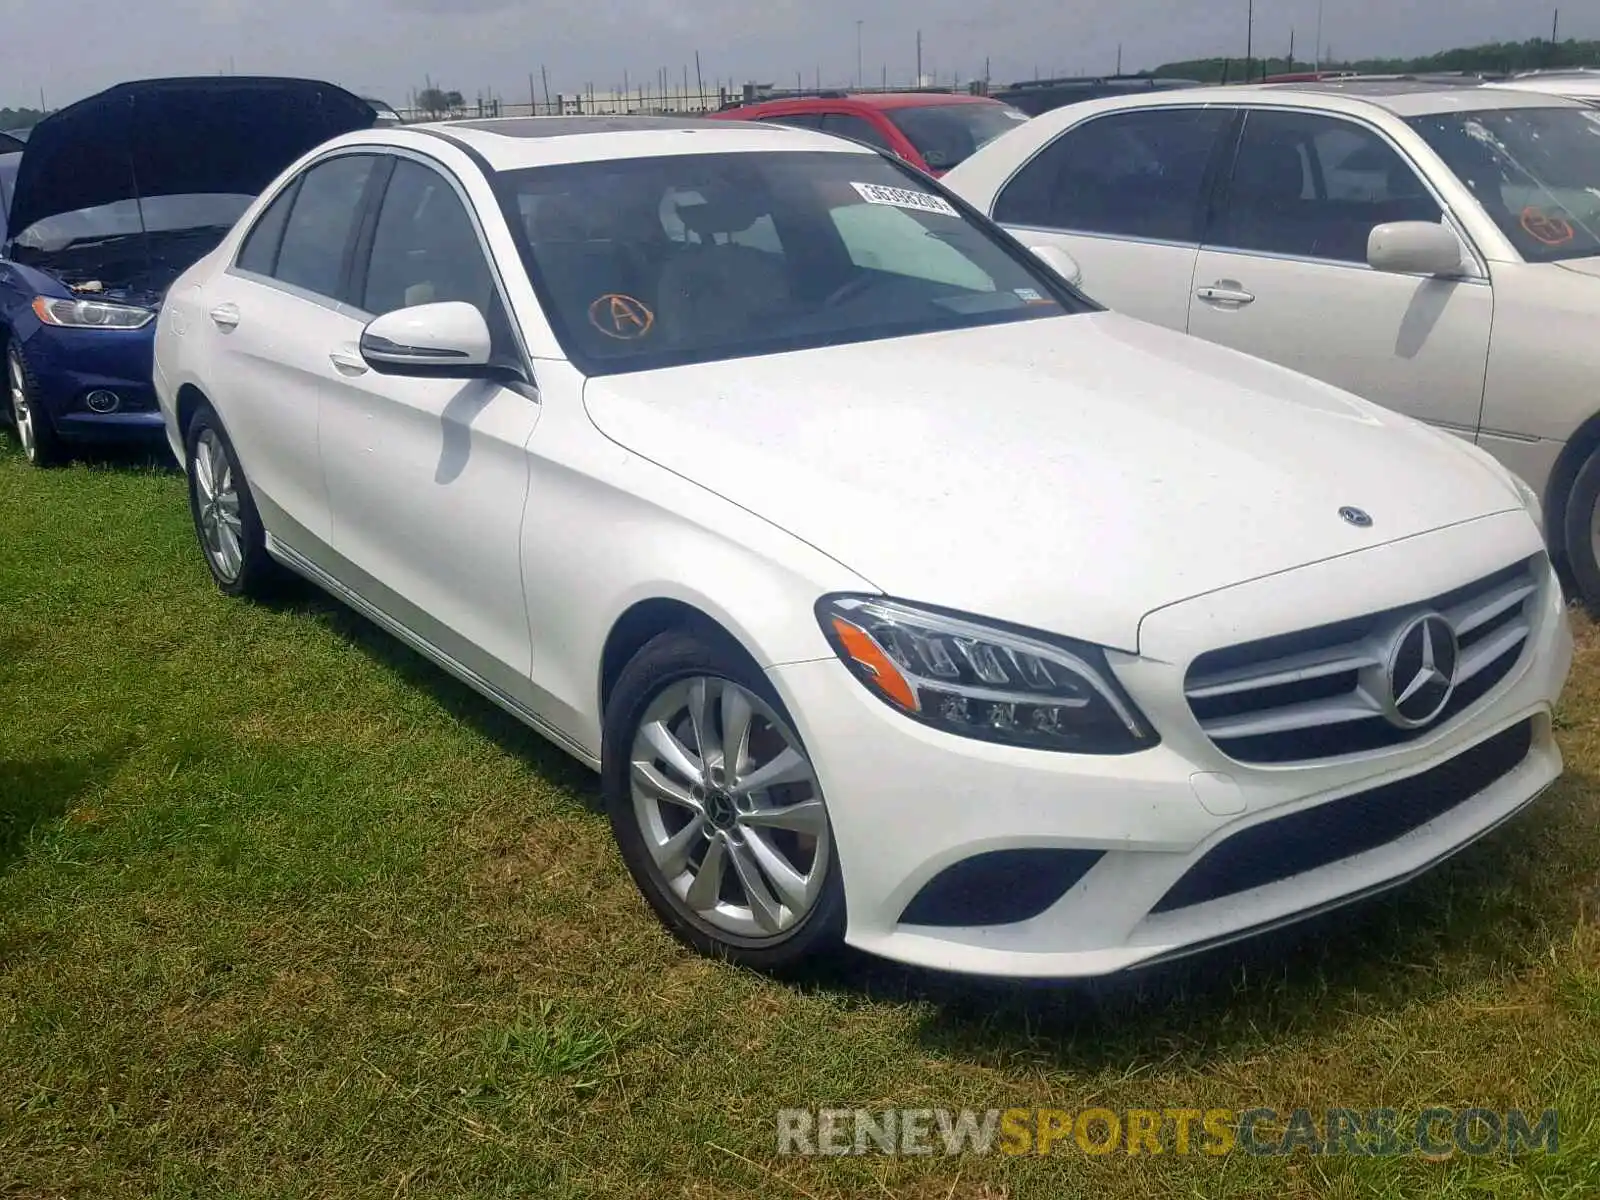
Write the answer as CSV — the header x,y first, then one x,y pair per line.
x,y
716,807
225,517
38,437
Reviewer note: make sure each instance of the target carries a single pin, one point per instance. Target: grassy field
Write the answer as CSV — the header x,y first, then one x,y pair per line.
x,y
284,912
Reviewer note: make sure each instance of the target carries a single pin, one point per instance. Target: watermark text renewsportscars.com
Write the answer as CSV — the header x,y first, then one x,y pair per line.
x,y
1434,1132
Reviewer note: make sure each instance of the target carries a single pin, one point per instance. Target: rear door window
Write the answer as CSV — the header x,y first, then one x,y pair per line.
x,y
319,230
1131,174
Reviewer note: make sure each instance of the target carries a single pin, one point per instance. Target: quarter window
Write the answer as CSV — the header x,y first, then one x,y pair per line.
x,y
1314,186
425,248
259,253
798,120
1132,174
319,227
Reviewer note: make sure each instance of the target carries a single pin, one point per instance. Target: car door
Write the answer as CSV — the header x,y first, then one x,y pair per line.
x,y
1122,193
1283,272
270,320
428,478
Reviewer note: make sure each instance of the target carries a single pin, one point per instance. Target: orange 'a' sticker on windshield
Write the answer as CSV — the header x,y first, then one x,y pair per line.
x,y
1545,227
622,317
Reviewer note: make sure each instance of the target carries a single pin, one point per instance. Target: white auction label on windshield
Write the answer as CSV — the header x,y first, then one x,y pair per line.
x,y
877,193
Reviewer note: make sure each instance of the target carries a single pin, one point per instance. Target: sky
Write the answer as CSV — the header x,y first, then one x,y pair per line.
x,y
387,48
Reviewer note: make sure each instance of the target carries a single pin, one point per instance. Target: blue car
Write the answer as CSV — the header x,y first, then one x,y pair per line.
x,y
109,202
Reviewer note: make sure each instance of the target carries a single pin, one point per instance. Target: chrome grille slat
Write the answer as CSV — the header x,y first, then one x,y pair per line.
x,y
1480,654
1294,669
1324,692
1481,610
1309,715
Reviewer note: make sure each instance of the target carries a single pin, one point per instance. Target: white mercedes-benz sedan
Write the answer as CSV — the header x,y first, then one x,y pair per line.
x,y
899,594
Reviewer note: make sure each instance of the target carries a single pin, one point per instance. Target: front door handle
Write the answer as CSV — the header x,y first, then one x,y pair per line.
x,y
348,362
226,316
1225,291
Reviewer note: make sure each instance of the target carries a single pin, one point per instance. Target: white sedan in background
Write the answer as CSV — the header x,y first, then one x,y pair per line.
x,y
898,593
1431,246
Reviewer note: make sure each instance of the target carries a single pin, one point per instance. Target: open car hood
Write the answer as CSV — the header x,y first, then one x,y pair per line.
x,y
171,137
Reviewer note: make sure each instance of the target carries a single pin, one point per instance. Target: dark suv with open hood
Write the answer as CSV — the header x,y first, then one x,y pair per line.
x,y
114,197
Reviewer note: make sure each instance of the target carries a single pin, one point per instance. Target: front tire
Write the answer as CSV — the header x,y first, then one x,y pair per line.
x,y
40,442
716,807
225,518
1581,537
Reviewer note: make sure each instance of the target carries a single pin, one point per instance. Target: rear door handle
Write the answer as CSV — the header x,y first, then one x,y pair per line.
x,y
1225,291
348,361
226,316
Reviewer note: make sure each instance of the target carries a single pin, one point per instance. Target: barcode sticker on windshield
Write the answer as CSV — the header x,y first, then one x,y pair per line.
x,y
877,193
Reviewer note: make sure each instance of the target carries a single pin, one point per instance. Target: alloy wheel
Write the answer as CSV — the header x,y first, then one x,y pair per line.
x,y
21,410
729,808
217,506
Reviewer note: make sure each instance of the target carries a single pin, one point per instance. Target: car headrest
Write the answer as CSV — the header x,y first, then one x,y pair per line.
x,y
729,213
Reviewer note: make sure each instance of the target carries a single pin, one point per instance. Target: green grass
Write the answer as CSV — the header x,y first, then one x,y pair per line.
x,y
284,912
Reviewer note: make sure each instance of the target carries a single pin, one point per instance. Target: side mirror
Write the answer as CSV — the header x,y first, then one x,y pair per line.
x,y
448,340
1414,248
1059,261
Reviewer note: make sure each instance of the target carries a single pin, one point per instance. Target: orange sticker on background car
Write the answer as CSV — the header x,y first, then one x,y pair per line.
x,y
620,316
1546,227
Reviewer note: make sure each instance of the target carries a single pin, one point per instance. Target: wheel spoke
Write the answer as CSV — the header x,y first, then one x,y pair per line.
x,y
736,715
232,554
662,788
202,475
672,855
707,886
700,719
788,767
805,817
762,905
792,887
673,753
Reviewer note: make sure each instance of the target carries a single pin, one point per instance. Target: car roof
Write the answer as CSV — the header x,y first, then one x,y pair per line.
x,y
880,100
1400,96
511,143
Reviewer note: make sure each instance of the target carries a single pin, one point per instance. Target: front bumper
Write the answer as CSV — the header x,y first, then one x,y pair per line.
x,y
68,364
907,802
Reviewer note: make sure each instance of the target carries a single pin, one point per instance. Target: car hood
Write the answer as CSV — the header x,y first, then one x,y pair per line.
x,y
1070,474
168,137
1582,266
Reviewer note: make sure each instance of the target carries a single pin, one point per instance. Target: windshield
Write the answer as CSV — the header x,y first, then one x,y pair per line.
x,y
947,134
161,214
651,262
1536,171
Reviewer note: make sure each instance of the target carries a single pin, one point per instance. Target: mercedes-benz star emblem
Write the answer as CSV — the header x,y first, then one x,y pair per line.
x,y
1356,517
1421,671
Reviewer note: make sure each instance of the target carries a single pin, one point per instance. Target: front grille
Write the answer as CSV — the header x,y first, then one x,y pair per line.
x,y
1319,693
1328,833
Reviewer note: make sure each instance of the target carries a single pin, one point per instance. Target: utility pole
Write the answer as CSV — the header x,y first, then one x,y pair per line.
x,y
919,58
699,79
1119,60
1316,55
1290,67
545,75
1249,38
859,79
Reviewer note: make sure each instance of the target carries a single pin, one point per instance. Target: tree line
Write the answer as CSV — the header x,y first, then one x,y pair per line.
x,y
1493,58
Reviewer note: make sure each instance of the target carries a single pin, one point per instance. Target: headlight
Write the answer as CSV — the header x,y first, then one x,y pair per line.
x,y
979,681
89,314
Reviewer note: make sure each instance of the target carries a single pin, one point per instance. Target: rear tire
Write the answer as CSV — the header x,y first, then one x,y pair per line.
x,y
716,807
226,522
40,442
